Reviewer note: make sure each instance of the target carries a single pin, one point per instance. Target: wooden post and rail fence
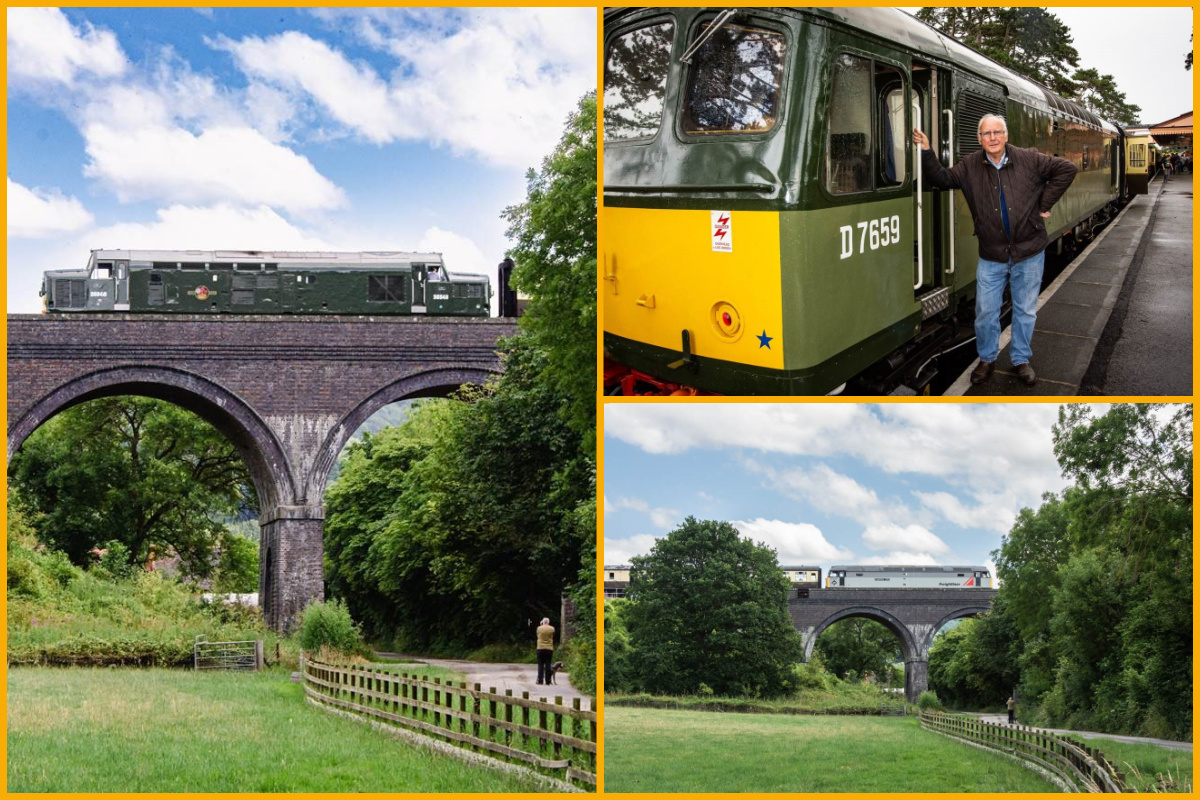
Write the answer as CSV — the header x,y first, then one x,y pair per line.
x,y
1081,768
552,738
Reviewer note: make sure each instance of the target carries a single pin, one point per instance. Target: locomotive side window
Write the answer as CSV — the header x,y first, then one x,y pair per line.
x,y
734,86
895,144
635,82
103,271
848,148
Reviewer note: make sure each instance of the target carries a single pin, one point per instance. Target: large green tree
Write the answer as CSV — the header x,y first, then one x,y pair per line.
x,y
1098,582
707,607
1028,40
141,472
1099,94
554,232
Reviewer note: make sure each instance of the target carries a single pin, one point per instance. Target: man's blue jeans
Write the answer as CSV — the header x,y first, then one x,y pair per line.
x,y
1025,281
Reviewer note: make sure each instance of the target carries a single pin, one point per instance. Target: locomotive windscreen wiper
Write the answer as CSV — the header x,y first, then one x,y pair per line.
x,y
715,26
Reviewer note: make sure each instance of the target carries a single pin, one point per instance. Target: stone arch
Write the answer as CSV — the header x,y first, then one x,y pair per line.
x,y
229,414
958,613
908,646
431,383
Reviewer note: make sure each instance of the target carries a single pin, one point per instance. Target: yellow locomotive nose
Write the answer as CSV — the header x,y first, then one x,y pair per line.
x,y
726,321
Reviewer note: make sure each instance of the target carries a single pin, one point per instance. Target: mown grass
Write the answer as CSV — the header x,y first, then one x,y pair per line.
x,y
1144,763
157,730
846,698
685,751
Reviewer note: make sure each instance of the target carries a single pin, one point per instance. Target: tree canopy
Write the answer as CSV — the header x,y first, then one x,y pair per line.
x,y
709,609
555,252
1028,40
859,646
1093,620
141,472
1099,94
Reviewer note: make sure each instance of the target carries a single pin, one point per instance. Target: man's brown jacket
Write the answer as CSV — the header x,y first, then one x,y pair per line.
x,y
1033,182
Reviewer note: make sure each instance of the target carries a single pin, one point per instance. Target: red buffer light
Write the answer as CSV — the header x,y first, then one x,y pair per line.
x,y
728,320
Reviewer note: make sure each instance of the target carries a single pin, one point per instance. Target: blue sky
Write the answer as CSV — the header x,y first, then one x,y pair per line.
x,y
827,483
215,128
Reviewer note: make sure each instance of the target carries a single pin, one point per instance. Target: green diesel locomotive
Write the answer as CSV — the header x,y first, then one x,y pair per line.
x,y
264,282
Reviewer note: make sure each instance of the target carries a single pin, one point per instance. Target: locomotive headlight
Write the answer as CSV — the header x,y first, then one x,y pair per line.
x,y
726,321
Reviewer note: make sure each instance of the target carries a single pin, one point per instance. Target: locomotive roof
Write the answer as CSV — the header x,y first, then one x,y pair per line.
x,y
898,27
907,568
274,256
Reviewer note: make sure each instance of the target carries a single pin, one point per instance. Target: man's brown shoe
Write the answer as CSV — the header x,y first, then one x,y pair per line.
x,y
983,371
1026,374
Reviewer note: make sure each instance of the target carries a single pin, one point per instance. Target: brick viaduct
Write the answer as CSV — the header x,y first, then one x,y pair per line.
x,y
913,615
288,392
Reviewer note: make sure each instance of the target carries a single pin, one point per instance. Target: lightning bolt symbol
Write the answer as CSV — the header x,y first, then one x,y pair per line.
x,y
720,234
722,220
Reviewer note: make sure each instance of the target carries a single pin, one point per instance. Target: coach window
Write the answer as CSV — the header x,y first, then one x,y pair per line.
x,y
635,82
735,80
848,148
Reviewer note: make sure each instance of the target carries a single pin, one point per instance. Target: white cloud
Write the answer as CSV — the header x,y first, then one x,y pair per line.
x,y
834,493
492,82
352,94
912,538
461,254
794,542
220,227
43,45
608,506
620,551
235,165
665,518
994,511
39,213
898,557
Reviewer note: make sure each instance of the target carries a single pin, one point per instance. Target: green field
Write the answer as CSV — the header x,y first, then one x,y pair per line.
x,y
649,750
159,730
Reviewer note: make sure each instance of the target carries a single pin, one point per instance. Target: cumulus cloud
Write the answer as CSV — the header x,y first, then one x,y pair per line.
x,y
620,551
495,83
219,227
608,506
911,538
993,511
665,518
793,542
834,493
39,213
233,165
461,254
44,46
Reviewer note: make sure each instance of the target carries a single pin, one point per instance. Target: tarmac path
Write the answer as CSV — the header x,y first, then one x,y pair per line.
x,y
518,677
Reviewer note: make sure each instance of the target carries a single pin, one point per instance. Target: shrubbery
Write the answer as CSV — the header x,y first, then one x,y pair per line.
x,y
928,701
329,625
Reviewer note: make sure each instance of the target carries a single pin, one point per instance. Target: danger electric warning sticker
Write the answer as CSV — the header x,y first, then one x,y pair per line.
x,y
722,231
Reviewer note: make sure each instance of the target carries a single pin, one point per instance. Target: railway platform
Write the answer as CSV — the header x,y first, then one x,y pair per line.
x,y
1118,320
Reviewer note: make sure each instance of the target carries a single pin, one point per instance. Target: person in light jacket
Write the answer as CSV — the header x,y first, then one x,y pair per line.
x,y
545,650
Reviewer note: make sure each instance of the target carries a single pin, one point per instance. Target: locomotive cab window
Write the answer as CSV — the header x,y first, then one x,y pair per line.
x,y
103,271
866,146
635,82
735,80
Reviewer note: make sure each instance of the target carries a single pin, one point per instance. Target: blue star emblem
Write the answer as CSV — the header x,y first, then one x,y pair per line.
x,y
764,340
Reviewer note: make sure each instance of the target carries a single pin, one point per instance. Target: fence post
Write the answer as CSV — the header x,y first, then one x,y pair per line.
x,y
437,702
258,654
491,734
524,720
477,707
462,707
558,727
508,716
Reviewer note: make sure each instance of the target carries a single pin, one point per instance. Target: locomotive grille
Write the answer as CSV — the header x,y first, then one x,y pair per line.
x,y
387,288
971,108
69,294
243,297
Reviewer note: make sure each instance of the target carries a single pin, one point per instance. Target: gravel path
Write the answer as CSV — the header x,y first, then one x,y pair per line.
x,y
518,677
1002,719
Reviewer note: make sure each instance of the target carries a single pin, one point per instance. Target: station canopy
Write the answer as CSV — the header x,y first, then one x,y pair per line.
x,y
1174,133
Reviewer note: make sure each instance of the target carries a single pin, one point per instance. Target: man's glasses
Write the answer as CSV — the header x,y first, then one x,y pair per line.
x,y
992,134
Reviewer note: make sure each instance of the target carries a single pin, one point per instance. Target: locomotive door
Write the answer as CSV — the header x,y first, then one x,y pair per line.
x,y
932,270
420,277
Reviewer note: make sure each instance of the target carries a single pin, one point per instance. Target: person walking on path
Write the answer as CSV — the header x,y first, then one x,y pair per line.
x,y
1012,711
545,650
1010,191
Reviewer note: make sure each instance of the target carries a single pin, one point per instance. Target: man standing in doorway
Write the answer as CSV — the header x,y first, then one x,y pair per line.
x,y
1010,191
545,650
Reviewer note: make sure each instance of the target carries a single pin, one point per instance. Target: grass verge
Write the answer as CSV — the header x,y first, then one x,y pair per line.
x,y
157,730
648,750
1143,764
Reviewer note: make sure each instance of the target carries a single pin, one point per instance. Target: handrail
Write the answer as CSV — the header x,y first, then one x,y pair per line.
x,y
950,192
916,109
